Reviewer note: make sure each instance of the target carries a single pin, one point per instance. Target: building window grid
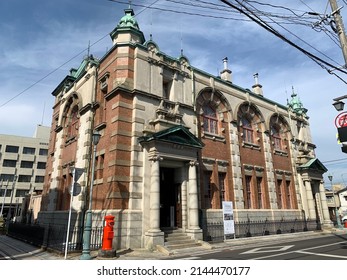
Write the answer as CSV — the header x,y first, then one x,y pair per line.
x,y
26,164
41,165
21,193
28,151
39,179
24,178
9,163
12,149
43,152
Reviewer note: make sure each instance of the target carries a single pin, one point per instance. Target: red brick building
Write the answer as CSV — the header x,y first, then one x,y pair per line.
x,y
175,143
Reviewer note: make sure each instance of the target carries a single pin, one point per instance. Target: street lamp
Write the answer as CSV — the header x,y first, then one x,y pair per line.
x,y
88,224
330,177
338,103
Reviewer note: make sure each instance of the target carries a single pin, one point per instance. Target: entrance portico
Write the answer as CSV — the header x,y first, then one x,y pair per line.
x,y
172,188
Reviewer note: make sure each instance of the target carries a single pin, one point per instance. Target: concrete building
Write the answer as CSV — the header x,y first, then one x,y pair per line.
x,y
22,168
175,142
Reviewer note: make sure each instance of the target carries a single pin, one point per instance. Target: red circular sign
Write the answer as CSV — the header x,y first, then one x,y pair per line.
x,y
341,120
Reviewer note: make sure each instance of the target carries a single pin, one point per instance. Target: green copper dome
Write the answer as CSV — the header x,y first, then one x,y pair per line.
x,y
128,20
296,105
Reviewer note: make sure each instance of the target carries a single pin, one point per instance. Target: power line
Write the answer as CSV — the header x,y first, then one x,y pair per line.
x,y
334,160
244,10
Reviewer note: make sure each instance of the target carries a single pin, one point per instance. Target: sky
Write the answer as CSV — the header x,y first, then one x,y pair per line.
x,y
42,40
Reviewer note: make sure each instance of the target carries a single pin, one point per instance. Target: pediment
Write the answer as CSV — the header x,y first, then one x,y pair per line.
x,y
177,135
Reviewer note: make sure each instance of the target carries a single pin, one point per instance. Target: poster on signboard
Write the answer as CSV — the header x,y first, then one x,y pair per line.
x,y
228,218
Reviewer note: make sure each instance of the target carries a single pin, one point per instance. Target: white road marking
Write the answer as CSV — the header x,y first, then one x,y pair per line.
x,y
322,255
268,249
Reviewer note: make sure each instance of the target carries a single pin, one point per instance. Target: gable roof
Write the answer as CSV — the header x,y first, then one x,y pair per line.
x,y
177,134
314,164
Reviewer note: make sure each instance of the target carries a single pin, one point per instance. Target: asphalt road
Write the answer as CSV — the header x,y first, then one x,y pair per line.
x,y
329,247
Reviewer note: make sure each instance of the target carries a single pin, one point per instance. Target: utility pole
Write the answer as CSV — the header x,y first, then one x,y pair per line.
x,y
340,30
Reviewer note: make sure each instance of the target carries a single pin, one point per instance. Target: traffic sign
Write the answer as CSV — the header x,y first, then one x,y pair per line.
x,y
341,120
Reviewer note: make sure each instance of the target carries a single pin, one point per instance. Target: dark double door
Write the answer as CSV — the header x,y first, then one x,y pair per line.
x,y
170,199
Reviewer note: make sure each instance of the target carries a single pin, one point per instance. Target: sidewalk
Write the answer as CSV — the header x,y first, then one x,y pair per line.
x,y
33,253
144,254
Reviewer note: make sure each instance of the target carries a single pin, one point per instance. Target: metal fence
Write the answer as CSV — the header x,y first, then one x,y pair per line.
x,y
214,231
54,237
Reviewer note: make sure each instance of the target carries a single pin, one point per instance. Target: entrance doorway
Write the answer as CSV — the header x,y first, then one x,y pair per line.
x,y
170,199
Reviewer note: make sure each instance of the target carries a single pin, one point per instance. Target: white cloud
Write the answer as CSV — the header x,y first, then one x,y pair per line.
x,y
39,36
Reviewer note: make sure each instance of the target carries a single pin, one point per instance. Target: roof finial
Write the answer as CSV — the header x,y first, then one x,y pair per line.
x,y
129,4
293,92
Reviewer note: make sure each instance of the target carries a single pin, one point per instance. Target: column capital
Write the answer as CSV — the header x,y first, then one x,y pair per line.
x,y
154,155
155,158
193,163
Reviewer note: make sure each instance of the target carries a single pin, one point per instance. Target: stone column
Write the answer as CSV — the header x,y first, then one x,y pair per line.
x,y
193,206
155,195
154,236
184,204
324,206
310,200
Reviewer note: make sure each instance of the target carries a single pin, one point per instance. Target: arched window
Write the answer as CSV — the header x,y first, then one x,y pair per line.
x,y
276,137
72,125
247,130
210,119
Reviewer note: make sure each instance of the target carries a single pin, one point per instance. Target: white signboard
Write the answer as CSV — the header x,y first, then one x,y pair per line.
x,y
228,218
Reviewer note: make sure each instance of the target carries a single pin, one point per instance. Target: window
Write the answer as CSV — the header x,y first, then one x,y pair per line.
x,y
210,120
99,172
288,195
43,152
208,189
279,194
26,164
21,193
9,163
72,128
276,138
248,200
260,192
39,179
8,192
11,149
24,178
6,177
28,151
166,89
221,178
247,130
41,165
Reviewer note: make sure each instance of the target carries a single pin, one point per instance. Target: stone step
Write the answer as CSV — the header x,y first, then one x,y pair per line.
x,y
180,241
183,246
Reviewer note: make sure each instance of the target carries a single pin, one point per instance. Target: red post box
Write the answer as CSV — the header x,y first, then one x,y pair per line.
x,y
345,223
108,233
